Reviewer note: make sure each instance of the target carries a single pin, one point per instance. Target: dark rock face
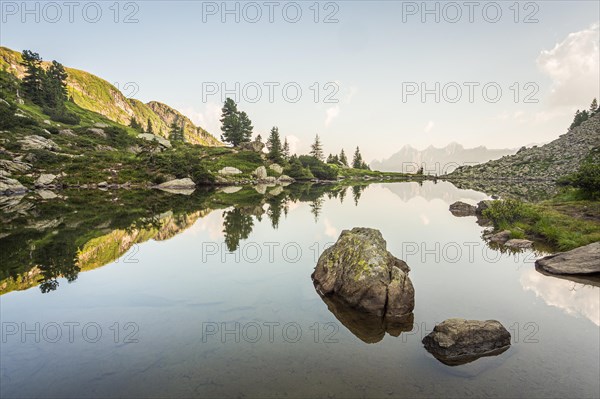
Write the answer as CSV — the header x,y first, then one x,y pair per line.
x,y
461,209
582,260
459,341
359,271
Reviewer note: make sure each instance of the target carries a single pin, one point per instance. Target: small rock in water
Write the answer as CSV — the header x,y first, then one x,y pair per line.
x,y
459,341
461,209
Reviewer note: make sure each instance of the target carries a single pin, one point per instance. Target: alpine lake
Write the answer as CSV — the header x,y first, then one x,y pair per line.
x,y
131,293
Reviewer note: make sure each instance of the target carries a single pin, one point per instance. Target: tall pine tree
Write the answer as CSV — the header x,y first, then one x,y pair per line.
x,y
357,161
149,128
246,127
317,149
274,145
35,75
286,149
343,159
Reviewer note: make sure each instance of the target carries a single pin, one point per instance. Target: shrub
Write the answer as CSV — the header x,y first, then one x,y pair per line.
x,y
297,171
587,178
504,213
62,115
318,168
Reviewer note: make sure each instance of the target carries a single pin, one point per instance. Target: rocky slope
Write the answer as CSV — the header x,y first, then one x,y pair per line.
x,y
193,134
95,94
550,162
437,160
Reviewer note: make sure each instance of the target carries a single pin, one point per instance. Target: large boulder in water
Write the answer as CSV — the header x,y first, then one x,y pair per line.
x,y
359,270
582,260
460,341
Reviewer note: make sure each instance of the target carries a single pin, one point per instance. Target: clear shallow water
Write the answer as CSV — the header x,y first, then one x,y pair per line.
x,y
180,293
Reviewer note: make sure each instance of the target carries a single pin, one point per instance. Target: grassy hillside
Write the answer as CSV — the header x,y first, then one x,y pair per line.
x,y
95,94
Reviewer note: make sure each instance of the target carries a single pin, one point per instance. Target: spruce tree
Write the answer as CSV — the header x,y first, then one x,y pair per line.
x,y
32,84
274,145
317,149
343,159
286,149
594,106
246,128
176,133
55,86
357,161
149,128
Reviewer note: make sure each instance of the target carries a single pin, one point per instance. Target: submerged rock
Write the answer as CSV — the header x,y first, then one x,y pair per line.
x,y
459,341
461,209
360,271
582,260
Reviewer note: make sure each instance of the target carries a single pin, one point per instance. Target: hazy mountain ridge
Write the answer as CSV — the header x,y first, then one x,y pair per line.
x,y
98,95
551,161
437,160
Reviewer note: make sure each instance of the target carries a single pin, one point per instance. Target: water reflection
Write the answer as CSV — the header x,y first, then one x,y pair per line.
x,y
43,241
577,296
365,326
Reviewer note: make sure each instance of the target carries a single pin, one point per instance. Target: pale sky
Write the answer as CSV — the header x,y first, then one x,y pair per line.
x,y
374,58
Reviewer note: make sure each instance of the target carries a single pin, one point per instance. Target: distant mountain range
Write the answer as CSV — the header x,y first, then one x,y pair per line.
x,y
438,161
95,94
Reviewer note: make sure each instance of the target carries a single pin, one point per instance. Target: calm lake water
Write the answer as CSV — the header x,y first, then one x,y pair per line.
x,y
159,306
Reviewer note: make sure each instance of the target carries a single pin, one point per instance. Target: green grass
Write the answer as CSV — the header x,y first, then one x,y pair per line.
x,y
564,225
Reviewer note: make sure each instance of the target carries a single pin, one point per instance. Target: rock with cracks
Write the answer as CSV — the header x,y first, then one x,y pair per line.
x,y
359,271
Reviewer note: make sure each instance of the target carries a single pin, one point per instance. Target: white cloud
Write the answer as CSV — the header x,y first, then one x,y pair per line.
x,y
429,126
330,230
207,118
573,66
332,113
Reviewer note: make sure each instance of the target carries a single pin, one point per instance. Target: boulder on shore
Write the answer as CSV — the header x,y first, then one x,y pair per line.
x,y
178,186
582,260
229,170
260,173
276,168
359,270
519,243
45,179
9,185
255,146
459,341
461,209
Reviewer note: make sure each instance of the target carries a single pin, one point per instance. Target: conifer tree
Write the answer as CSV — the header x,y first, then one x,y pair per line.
x,y
274,145
317,149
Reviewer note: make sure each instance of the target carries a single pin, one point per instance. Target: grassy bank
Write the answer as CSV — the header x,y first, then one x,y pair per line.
x,y
565,222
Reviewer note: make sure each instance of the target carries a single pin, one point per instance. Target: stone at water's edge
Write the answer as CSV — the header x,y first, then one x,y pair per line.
x,y
461,209
582,260
460,341
359,270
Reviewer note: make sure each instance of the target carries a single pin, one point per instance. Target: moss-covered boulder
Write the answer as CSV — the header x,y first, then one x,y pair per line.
x,y
359,270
